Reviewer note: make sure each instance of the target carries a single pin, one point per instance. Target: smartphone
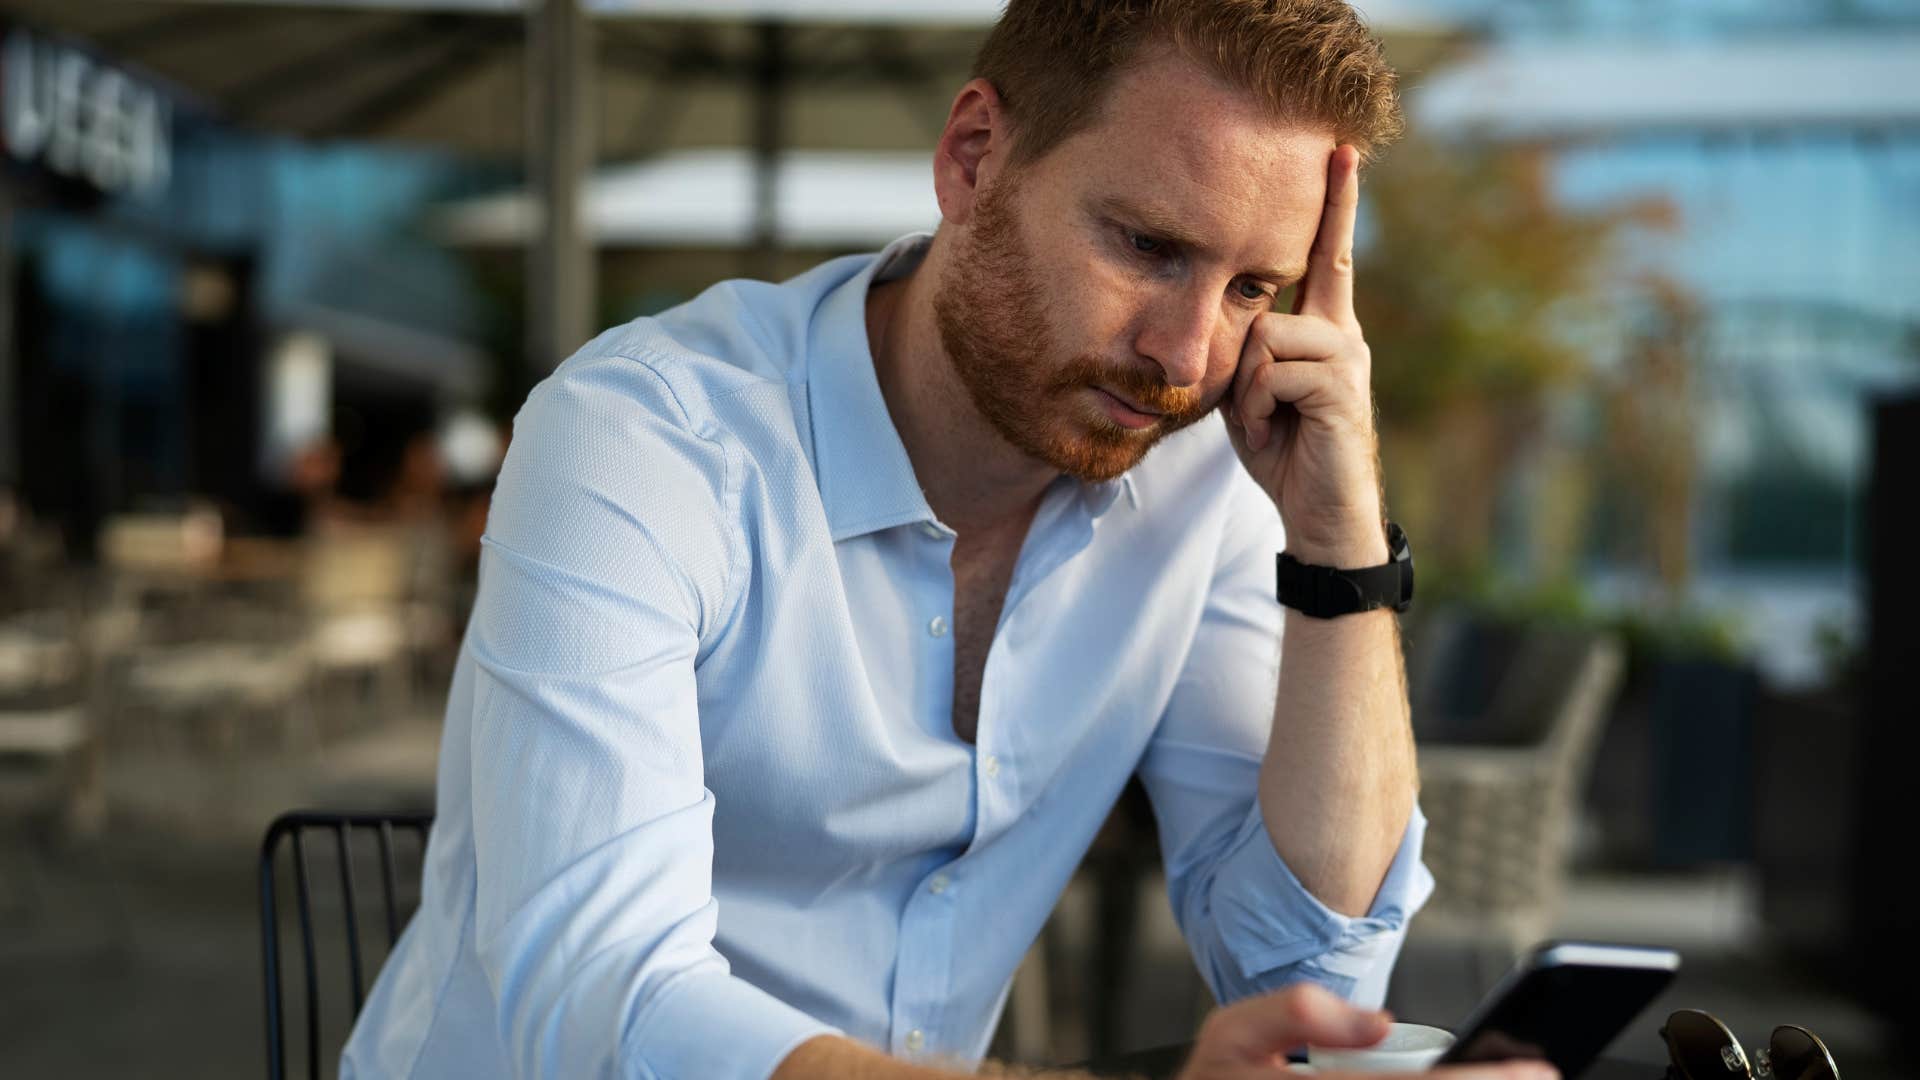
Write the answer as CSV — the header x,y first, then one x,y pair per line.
x,y
1563,1003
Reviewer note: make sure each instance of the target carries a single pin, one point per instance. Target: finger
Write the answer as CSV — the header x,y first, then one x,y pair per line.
x,y
1297,337
1288,1020
1328,288
1277,336
1504,1070
1288,382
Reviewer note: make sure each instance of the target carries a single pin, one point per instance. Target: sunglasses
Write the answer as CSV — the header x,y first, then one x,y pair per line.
x,y
1701,1048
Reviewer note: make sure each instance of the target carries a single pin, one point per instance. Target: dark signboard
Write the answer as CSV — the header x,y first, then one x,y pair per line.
x,y
70,114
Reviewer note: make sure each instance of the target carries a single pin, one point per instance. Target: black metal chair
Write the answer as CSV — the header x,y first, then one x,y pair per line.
x,y
292,827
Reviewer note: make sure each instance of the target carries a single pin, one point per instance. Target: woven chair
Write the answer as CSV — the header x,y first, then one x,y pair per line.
x,y
395,885
1501,808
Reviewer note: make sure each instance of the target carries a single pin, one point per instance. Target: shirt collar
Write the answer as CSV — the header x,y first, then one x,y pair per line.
x,y
867,482
1099,498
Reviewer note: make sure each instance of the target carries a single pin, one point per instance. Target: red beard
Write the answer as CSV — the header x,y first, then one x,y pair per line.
x,y
993,328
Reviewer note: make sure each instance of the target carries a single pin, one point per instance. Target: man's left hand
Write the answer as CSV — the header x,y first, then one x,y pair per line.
x,y
1301,409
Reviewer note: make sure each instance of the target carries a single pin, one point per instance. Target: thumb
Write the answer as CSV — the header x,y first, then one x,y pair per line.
x,y
1349,1027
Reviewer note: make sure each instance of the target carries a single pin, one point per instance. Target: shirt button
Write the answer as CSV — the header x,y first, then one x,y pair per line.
x,y
938,627
938,885
916,1039
991,764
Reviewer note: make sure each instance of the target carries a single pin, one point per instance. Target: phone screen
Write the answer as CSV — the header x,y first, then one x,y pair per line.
x,y
1563,1010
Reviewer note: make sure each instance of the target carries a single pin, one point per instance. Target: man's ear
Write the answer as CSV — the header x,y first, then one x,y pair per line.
x,y
973,146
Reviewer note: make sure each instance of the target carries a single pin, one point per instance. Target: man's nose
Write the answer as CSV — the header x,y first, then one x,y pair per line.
x,y
1178,334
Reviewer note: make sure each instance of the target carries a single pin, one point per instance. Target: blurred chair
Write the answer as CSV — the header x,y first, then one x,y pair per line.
x,y
34,574
50,784
1123,856
1502,791
162,543
201,640
397,892
38,651
356,585
216,695
158,564
1025,1034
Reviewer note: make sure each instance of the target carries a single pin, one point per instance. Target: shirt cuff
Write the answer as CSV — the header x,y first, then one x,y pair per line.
x,y
1268,920
713,1026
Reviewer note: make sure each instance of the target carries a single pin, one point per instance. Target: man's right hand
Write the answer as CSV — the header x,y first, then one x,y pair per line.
x,y
1252,1038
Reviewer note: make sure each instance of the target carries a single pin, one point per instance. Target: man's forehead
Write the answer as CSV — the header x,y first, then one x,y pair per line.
x,y
1170,100
1173,137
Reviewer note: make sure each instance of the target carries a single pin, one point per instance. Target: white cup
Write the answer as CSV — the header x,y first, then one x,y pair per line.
x,y
1407,1048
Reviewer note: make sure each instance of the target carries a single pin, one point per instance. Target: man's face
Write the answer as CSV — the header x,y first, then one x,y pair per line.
x,y
1126,266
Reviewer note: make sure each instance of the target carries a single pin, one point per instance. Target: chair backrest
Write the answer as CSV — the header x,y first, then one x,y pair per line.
x,y
1502,815
355,569
294,828
1556,693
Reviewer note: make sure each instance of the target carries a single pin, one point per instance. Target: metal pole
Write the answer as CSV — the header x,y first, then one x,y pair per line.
x,y
769,89
560,154
9,371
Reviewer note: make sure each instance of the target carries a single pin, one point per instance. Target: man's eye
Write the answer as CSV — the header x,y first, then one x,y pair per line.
x,y
1253,290
1144,244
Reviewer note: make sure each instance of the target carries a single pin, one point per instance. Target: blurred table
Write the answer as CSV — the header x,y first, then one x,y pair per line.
x,y
258,559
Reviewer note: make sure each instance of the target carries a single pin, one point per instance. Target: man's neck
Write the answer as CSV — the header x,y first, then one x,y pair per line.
x,y
975,481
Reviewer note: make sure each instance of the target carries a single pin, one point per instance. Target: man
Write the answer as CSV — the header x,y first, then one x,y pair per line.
x,y
820,624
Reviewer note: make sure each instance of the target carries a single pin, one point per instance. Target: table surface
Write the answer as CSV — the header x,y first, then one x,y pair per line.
x,y
1165,1061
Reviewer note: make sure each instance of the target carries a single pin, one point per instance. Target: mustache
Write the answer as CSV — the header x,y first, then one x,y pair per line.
x,y
1138,386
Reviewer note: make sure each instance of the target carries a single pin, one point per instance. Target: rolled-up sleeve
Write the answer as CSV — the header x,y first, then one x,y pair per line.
x,y
609,557
1250,923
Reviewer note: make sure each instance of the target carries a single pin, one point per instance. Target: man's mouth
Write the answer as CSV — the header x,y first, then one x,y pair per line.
x,y
1124,412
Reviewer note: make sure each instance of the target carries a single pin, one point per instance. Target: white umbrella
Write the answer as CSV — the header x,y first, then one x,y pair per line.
x,y
704,198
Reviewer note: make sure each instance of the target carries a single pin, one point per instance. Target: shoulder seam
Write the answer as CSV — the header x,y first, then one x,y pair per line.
x,y
706,430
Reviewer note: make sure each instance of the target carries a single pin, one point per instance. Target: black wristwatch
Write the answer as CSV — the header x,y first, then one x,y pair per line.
x,y
1325,592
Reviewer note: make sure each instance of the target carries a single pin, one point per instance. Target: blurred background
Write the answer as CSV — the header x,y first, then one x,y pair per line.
x,y
1641,284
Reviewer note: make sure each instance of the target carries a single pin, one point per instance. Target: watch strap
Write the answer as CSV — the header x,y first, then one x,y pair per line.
x,y
1326,592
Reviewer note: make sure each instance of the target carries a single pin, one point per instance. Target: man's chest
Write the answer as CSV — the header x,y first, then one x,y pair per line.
x,y
845,703
980,584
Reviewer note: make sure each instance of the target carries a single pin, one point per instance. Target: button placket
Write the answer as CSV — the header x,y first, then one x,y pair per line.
x,y
924,964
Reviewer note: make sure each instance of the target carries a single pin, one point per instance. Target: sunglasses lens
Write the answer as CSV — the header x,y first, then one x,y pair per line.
x,y
1795,1054
1702,1048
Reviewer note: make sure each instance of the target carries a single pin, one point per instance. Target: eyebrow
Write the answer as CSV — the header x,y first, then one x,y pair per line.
x,y
1165,225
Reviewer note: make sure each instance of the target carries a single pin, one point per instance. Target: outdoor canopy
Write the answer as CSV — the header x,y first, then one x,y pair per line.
x,y
564,85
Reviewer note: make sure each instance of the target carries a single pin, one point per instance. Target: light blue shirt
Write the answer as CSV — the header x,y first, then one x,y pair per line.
x,y
700,796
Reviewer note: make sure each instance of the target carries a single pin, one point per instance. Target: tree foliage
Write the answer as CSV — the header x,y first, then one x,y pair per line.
x,y
1485,297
